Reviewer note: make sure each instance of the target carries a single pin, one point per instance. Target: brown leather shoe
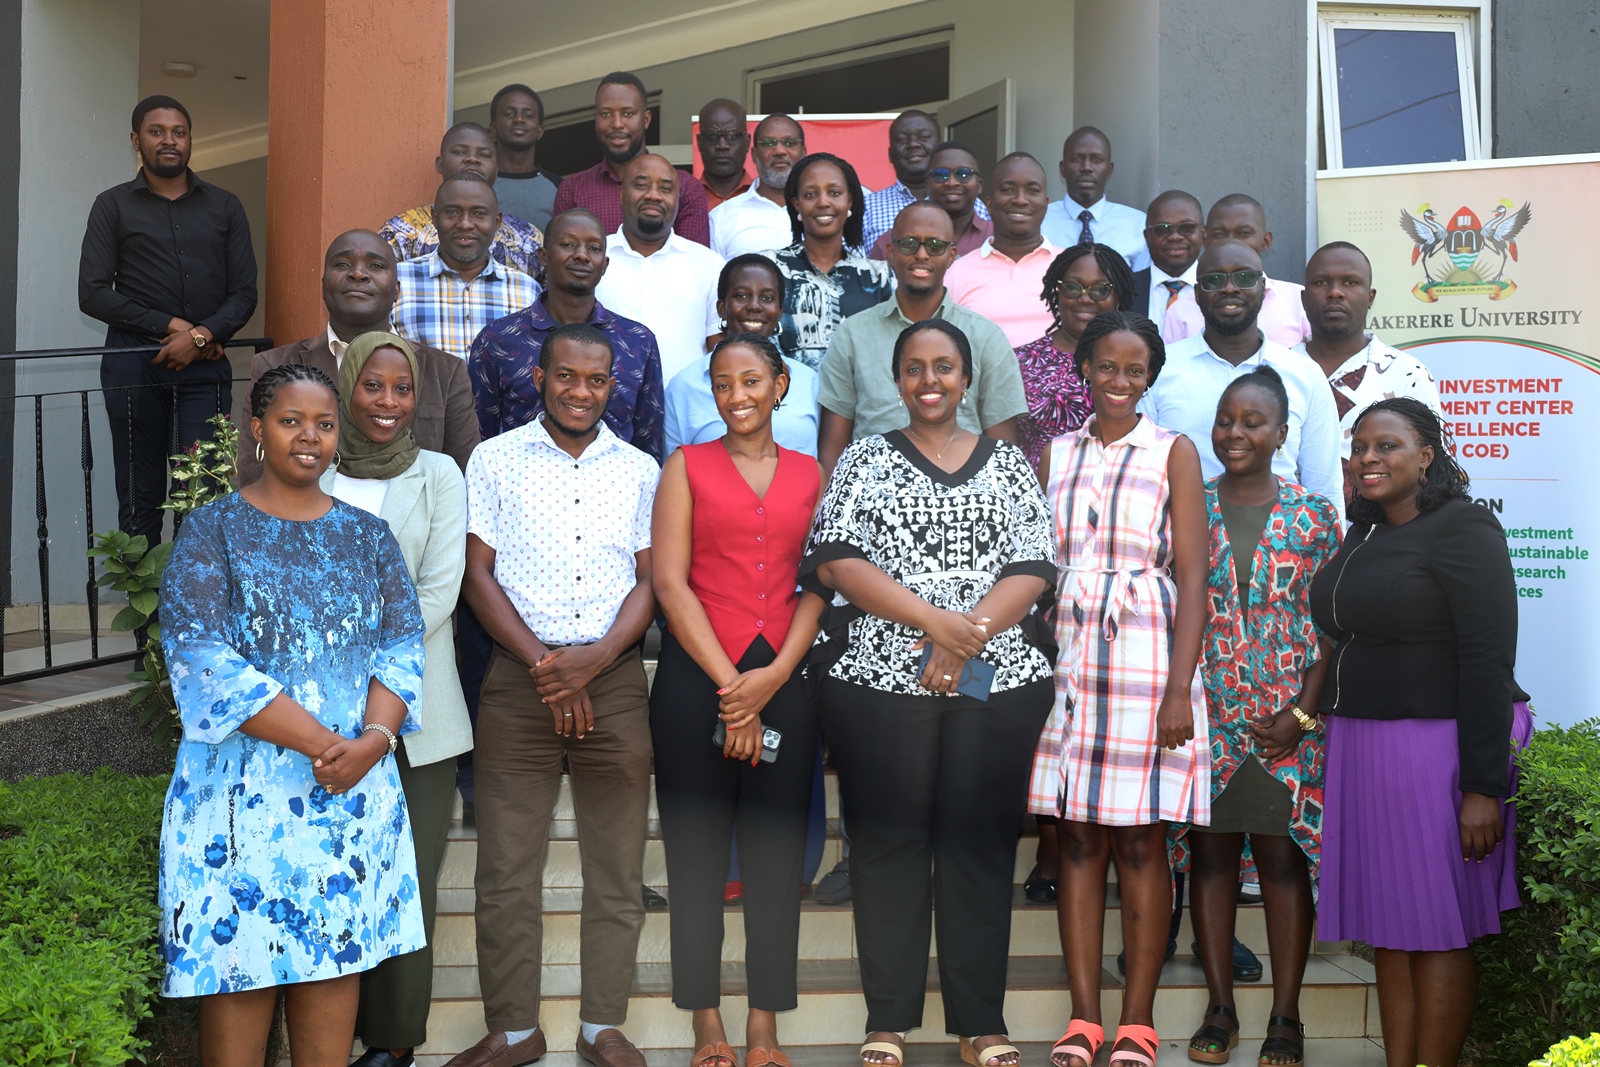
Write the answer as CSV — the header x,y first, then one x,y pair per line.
x,y
610,1049
493,1051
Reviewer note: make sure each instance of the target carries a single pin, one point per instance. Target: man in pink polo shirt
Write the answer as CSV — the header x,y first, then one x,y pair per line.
x,y
1002,280
1240,217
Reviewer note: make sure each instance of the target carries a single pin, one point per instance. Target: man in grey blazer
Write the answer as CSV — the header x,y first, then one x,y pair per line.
x,y
359,288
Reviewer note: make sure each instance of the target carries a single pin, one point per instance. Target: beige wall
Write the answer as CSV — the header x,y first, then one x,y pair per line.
x,y
1117,87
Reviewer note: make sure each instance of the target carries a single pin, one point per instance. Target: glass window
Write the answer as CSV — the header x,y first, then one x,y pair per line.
x,y
1398,89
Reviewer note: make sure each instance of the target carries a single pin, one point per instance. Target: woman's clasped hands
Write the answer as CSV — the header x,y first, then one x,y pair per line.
x,y
956,637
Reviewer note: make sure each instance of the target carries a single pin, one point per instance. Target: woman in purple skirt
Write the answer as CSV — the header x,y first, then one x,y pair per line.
x,y
1422,603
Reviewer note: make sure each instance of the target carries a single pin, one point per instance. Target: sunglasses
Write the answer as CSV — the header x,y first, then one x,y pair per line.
x,y
908,246
1074,290
941,175
774,142
722,138
1244,279
1160,230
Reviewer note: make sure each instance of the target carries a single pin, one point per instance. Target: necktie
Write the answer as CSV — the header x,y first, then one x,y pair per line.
x,y
1174,287
1086,235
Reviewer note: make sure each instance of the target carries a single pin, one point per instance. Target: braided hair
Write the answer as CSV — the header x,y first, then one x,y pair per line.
x,y
1446,480
1107,323
1112,265
266,388
762,346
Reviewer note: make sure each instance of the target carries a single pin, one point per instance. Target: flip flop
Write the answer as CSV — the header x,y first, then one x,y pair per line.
x,y
763,1057
1090,1036
711,1053
982,1056
1142,1036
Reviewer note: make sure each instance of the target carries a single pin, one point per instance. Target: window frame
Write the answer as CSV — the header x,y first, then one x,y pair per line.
x,y
856,55
1469,20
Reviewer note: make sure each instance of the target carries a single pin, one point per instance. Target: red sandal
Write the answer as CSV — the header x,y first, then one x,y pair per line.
x,y
1142,1036
1081,1041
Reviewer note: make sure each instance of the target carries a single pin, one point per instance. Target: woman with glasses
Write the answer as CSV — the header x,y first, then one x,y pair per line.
x,y
826,278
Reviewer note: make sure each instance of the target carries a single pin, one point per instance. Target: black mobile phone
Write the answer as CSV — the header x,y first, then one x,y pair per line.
x,y
770,741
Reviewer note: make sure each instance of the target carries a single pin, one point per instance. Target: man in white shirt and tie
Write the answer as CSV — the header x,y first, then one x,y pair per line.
x,y
1085,216
757,220
656,276
1229,290
1174,236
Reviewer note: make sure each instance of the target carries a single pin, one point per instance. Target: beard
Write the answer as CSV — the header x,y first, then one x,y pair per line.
x,y
163,170
773,178
624,156
1229,329
652,227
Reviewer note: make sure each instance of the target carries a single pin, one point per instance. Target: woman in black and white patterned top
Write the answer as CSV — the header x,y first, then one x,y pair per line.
x,y
932,537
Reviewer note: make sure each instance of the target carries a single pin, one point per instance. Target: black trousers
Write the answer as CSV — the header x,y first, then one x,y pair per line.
x,y
144,404
934,791
703,799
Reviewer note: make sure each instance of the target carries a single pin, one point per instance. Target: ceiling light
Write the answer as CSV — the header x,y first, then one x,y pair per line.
x,y
174,69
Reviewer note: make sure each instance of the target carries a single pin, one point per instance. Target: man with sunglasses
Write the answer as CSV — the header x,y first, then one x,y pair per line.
x,y
1084,215
724,141
1229,288
955,184
912,138
1240,217
1174,235
1002,280
859,395
757,220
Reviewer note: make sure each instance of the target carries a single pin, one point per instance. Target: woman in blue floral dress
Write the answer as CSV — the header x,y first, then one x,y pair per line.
x,y
294,641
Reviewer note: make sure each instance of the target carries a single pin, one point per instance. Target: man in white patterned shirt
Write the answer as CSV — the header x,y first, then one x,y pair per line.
x,y
1361,369
558,572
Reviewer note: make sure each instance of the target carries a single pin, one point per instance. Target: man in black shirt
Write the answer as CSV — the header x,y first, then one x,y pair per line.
x,y
167,260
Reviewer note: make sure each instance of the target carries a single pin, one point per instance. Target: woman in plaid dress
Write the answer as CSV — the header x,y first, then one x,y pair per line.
x,y
1125,750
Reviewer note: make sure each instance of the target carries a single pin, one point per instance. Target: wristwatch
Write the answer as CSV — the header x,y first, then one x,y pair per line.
x,y
200,340
1307,722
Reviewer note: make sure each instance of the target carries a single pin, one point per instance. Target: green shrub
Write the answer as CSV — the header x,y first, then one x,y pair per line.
x,y
1573,1052
1540,978
79,962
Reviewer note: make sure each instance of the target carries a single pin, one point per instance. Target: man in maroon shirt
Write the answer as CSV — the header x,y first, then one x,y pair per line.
x,y
621,116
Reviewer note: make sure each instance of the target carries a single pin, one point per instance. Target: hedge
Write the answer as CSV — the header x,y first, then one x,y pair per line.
x,y
79,963
1540,977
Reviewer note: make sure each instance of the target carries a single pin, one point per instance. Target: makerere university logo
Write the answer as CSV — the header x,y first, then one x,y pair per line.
x,y
1465,257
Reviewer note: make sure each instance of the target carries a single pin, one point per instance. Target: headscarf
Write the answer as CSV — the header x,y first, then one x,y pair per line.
x,y
359,455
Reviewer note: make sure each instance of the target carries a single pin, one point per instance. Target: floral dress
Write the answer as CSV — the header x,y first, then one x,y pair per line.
x,y
1254,662
1058,397
266,877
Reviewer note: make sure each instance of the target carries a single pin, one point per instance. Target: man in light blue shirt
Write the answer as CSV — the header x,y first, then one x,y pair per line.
x,y
1085,215
1229,289
693,419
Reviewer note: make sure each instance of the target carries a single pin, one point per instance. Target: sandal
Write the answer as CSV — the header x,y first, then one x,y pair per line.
x,y
888,1048
1293,1046
1082,1041
1142,1036
763,1057
709,1055
982,1056
1211,1043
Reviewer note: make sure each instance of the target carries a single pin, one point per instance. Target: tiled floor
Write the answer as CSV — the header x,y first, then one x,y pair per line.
x,y
73,685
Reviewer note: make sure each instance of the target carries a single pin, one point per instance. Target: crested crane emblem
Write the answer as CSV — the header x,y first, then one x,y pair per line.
x,y
1463,256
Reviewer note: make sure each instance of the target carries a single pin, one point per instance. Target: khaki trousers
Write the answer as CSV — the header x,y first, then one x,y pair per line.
x,y
518,768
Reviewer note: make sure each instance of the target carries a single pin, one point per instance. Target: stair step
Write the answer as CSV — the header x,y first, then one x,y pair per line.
x,y
1338,1002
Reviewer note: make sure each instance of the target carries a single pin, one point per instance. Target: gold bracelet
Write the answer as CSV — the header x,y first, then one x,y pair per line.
x,y
1307,722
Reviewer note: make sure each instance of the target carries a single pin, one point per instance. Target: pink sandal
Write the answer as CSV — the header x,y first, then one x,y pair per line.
x,y
1142,1036
1081,1041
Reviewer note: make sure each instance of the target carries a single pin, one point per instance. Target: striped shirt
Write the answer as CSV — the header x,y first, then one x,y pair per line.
x,y
437,308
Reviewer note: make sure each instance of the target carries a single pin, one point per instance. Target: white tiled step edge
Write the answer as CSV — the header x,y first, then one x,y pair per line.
x,y
1324,1052
1338,1001
826,933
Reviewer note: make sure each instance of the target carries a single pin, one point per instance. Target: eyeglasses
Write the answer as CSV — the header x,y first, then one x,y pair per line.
x,y
907,246
1244,279
1161,230
774,142
1073,290
941,175
722,138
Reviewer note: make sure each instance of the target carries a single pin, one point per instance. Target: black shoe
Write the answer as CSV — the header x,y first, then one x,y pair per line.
x,y
653,901
835,885
1038,889
469,819
382,1057
1122,957
1246,967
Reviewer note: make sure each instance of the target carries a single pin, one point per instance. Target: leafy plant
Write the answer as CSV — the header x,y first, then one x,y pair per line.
x,y
1573,1052
1540,978
204,472
78,918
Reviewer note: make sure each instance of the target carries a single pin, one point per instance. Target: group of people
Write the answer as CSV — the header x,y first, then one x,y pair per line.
x,y
1011,505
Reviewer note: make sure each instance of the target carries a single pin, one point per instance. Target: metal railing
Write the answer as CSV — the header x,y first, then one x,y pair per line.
x,y
16,401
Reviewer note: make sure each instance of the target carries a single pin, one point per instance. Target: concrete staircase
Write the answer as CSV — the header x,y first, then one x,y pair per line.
x,y
1339,1003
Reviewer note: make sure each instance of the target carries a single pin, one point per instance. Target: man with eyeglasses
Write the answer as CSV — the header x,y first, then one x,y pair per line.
x,y
757,220
912,137
1230,285
1174,236
621,117
955,184
1002,280
1240,217
1085,216
724,142
859,395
